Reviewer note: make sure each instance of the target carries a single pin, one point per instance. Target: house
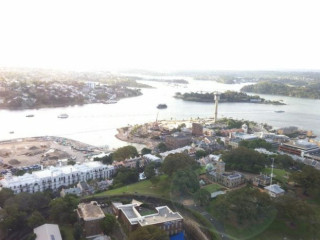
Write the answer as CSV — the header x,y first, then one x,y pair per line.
x,y
76,191
177,140
274,190
261,180
48,232
164,218
90,216
148,158
85,188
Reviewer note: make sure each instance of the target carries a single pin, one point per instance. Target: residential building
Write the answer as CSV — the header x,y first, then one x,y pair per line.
x,y
274,190
261,180
48,232
164,218
90,216
177,140
186,150
228,179
197,129
148,158
57,177
76,191
85,188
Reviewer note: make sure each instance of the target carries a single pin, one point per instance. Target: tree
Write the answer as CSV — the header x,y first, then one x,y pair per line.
x,y
202,197
149,171
257,143
177,161
77,231
5,194
246,205
108,159
62,209
125,176
124,153
200,153
244,159
308,178
148,233
185,182
35,219
162,147
145,151
108,223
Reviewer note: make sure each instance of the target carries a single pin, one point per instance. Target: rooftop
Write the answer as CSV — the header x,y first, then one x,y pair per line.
x,y
48,232
274,188
90,211
164,214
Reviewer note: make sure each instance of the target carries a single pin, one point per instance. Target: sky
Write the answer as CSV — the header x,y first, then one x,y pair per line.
x,y
159,35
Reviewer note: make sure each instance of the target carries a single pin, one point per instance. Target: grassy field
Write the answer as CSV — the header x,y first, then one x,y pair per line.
x,y
278,174
212,187
161,189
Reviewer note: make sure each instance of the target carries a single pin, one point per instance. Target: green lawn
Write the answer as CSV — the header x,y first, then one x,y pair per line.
x,y
201,170
278,174
161,189
212,187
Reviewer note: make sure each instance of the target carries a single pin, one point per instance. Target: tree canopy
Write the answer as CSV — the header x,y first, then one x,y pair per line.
x,y
108,223
185,182
308,178
177,161
124,153
246,205
62,209
244,159
125,176
145,151
257,143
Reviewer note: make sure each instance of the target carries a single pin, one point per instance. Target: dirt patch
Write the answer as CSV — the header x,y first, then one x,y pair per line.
x,y
14,162
33,148
5,153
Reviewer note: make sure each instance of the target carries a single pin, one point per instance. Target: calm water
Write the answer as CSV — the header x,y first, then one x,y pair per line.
x,y
96,124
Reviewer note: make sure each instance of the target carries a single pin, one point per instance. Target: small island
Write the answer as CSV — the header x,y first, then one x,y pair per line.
x,y
228,96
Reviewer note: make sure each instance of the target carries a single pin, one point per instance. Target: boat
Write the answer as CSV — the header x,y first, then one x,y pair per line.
x,y
279,111
63,115
30,115
12,132
110,101
162,106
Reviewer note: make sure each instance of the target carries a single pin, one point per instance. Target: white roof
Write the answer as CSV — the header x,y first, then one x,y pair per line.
x,y
37,176
178,150
274,188
48,232
151,157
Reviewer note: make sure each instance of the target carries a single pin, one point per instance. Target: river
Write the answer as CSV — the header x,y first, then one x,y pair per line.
x,y
96,124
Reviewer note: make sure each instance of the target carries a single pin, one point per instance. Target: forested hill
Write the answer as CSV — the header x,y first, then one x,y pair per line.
x,y
228,96
307,91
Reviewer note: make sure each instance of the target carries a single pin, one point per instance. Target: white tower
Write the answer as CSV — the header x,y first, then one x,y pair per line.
x,y
216,98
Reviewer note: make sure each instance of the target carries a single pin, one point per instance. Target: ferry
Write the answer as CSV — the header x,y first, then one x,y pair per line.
x,y
30,115
162,106
279,111
110,101
63,115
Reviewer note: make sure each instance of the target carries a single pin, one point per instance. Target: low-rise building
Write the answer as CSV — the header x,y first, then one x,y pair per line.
x,y
90,216
299,148
57,177
261,180
148,158
274,190
75,191
164,218
48,232
197,129
177,140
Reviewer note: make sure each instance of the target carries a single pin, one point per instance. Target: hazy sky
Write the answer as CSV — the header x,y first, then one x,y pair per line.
x,y
160,35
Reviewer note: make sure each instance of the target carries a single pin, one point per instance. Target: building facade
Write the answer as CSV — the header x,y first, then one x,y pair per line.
x,y
90,216
57,177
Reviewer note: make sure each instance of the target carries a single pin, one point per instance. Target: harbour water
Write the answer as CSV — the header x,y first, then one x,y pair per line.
x,y
96,124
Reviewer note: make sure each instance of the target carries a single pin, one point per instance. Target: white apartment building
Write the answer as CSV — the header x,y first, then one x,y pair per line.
x,y
55,177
